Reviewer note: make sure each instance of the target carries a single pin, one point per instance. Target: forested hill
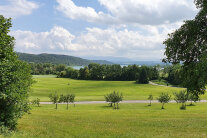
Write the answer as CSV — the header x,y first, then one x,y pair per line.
x,y
58,59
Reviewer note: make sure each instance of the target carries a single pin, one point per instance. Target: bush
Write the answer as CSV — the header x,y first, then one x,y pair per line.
x,y
164,98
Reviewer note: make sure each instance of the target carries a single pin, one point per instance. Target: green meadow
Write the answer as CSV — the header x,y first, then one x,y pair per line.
x,y
93,90
86,90
99,120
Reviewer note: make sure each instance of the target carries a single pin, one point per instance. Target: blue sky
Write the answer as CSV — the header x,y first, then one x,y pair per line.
x,y
133,29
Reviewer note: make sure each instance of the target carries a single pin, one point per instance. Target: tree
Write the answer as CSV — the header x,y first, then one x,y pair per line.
x,y
72,99
36,102
143,78
181,97
55,98
164,98
15,79
150,98
114,98
193,98
188,45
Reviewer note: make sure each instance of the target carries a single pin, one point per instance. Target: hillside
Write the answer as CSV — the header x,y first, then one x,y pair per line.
x,y
58,59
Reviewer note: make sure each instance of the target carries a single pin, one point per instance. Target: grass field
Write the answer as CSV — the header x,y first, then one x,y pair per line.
x,y
131,120
94,90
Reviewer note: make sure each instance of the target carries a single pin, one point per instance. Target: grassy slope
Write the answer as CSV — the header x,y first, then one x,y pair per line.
x,y
132,120
94,90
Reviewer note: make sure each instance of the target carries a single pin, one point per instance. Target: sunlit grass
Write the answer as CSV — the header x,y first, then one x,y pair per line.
x,y
131,120
94,90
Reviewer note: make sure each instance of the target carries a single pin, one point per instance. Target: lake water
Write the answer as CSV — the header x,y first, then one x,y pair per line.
x,y
79,67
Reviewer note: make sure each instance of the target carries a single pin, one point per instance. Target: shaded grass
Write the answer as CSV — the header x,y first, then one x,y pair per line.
x,y
131,120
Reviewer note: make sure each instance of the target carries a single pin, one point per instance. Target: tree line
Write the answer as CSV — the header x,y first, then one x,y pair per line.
x,y
113,73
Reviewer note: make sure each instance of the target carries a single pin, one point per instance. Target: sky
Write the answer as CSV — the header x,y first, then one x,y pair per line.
x,y
132,29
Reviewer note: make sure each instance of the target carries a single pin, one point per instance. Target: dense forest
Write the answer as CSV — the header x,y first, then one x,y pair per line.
x,y
58,59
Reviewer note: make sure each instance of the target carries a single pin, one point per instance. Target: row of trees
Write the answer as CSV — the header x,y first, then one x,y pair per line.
x,y
113,73
180,97
68,98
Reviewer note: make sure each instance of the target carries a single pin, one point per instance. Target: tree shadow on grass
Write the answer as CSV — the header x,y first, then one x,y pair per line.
x,y
106,107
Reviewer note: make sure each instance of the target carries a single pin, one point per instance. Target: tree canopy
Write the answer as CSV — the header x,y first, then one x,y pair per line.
x,y
15,79
188,45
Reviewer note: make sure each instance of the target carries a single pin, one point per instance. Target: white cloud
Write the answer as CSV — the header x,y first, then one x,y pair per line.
x,y
17,8
70,10
56,40
151,12
139,45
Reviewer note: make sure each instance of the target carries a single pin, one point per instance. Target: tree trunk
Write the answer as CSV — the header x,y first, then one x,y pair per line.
x,y
67,106
56,106
163,105
117,104
114,106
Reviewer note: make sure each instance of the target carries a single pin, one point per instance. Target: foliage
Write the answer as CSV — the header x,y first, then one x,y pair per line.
x,y
164,98
55,98
69,98
36,102
181,97
15,80
150,98
188,45
114,98
143,78
193,98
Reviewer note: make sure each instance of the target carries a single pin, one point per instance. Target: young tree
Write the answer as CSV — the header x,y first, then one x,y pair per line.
x,y
108,99
114,98
188,45
181,97
150,98
55,98
72,99
164,98
36,102
15,79
193,98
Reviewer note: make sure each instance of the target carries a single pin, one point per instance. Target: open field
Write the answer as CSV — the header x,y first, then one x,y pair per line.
x,y
131,120
95,90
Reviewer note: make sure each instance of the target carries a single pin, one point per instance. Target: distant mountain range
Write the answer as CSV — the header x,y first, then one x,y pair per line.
x,y
127,61
58,59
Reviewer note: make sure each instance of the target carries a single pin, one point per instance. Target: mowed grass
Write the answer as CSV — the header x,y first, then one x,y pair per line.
x,y
99,120
95,90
